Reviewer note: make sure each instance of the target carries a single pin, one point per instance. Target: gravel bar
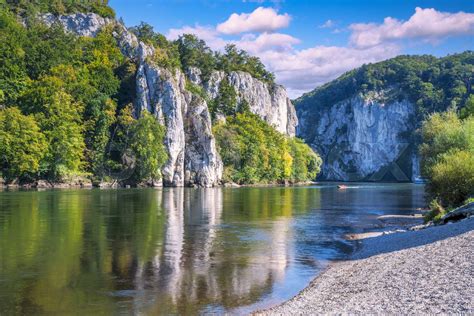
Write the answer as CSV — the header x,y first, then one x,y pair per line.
x,y
429,271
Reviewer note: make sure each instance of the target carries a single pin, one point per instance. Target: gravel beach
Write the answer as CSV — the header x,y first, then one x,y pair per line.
x,y
426,271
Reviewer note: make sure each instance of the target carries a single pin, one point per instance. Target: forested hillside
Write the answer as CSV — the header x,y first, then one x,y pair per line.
x,y
433,84
68,102
365,124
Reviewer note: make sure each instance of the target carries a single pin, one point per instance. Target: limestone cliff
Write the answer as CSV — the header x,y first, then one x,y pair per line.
x,y
364,137
193,157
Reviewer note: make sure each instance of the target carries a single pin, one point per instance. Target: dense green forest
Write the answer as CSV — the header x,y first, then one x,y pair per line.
x,y
253,152
66,104
72,94
31,7
433,84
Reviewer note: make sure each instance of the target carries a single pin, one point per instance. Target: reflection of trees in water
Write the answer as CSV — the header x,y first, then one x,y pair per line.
x,y
151,250
211,266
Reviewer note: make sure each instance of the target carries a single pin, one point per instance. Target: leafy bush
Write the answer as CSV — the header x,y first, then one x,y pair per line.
x,y
441,133
254,152
226,101
146,142
452,178
306,163
435,213
22,144
447,156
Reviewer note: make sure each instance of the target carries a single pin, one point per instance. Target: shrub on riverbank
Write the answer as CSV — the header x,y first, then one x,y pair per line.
x,y
448,157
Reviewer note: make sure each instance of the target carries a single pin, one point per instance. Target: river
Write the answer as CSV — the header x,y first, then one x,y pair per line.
x,y
178,250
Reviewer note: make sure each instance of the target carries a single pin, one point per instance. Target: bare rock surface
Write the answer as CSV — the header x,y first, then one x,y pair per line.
x,y
364,137
430,271
459,213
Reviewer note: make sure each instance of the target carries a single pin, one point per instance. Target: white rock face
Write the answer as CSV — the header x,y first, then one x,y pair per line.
x,y
270,102
82,24
193,157
364,139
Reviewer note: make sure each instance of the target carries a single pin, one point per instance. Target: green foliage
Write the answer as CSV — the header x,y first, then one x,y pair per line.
x,y
60,120
194,52
13,73
58,7
452,178
139,144
468,109
254,152
196,90
447,155
306,163
441,132
166,53
22,145
69,84
235,59
146,142
226,101
433,84
435,213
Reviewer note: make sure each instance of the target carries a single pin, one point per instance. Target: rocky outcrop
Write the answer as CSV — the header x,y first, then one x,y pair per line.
x,y
82,24
363,138
459,213
193,157
270,102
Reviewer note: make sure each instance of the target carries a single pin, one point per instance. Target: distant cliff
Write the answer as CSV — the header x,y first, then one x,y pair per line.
x,y
192,154
364,124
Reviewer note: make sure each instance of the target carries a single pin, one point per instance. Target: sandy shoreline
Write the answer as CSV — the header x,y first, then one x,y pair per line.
x,y
425,271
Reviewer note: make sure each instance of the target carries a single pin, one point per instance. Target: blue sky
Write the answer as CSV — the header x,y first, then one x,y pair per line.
x,y
307,43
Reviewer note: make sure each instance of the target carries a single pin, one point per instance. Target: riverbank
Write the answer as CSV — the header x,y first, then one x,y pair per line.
x,y
420,271
86,183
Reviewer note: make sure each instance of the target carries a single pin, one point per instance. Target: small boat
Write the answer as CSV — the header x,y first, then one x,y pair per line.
x,y
342,187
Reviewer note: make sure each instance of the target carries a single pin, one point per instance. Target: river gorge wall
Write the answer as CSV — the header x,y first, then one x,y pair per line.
x,y
191,146
363,138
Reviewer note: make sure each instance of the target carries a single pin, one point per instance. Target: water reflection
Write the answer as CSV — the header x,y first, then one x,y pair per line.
x,y
174,250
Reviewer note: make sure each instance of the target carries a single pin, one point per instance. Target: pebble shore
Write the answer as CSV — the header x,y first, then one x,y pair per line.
x,y
428,271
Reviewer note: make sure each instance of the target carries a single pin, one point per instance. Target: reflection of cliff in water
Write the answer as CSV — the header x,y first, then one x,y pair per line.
x,y
201,265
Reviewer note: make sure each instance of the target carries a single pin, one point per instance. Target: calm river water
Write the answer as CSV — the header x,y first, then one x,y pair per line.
x,y
178,250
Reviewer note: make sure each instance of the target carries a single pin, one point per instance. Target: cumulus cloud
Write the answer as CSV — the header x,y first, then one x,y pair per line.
x,y
267,41
426,24
301,70
260,20
206,33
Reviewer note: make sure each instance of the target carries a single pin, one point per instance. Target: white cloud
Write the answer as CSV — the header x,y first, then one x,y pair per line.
x,y
301,70
206,33
426,24
260,20
267,41
328,24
